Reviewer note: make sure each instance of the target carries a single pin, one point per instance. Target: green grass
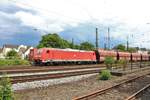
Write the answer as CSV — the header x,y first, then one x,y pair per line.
x,y
10,62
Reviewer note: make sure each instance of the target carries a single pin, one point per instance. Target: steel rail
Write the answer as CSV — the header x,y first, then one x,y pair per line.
x,y
42,76
102,91
20,79
133,96
44,69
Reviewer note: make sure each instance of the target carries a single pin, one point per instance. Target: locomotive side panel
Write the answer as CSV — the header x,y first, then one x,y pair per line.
x,y
62,55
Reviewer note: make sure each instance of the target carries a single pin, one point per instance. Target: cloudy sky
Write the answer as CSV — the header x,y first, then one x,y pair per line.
x,y
75,19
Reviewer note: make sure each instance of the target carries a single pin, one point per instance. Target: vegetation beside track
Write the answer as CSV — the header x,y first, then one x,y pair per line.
x,y
105,75
6,92
11,62
12,59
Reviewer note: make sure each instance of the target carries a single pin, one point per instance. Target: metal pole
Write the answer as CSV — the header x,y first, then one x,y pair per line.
x,y
96,38
108,38
127,43
131,61
141,61
72,43
105,42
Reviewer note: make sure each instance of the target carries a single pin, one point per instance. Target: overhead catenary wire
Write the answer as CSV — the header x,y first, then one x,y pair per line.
x,y
45,10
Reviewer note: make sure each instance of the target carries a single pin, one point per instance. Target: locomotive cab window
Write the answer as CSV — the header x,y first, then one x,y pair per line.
x,y
47,51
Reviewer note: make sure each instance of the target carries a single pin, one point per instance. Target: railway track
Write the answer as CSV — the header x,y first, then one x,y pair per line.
x,y
45,69
27,75
141,91
28,78
113,91
52,68
31,74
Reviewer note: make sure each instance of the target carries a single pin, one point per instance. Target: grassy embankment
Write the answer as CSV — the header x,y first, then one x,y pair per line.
x,y
13,62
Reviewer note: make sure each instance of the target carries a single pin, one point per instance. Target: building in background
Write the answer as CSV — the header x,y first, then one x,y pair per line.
x,y
8,47
1,53
22,50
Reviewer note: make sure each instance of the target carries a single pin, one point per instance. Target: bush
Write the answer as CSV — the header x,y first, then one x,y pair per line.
x,y
109,61
6,92
105,75
12,54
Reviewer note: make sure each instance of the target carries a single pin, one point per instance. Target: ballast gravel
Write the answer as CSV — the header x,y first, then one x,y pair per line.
x,y
68,91
45,83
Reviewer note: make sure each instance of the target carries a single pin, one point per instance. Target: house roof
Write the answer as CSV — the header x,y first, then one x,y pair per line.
x,y
23,50
10,46
28,47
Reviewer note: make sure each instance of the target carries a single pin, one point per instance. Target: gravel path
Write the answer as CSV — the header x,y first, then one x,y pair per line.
x,y
67,91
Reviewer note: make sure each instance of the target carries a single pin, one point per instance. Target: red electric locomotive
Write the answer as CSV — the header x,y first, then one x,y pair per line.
x,y
55,56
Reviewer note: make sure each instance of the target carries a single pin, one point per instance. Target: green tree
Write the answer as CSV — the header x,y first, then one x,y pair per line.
x,y
143,49
76,47
120,47
6,92
131,49
86,46
12,54
54,41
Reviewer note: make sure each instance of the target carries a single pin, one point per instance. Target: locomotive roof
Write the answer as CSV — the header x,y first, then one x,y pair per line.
x,y
67,49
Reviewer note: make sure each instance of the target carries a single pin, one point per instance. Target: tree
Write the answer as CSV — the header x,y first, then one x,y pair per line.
x,y
143,49
54,41
86,46
120,47
12,54
131,49
76,47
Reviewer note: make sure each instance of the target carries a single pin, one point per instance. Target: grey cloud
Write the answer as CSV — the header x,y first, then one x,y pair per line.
x,y
11,8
